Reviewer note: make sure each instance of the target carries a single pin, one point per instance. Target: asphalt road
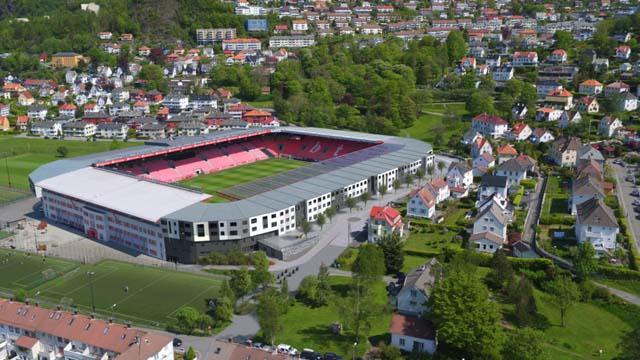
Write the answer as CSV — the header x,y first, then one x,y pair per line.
x,y
624,189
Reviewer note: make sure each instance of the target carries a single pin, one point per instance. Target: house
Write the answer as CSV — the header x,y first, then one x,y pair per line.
x,y
491,220
608,126
588,104
439,189
4,123
627,102
584,188
176,102
46,129
520,132
617,87
470,137
383,221
482,164
200,101
588,153
492,184
502,73
623,52
66,59
490,125
481,146
506,152
112,131
522,249
541,136
564,151
79,129
545,86
562,99
412,334
26,99
421,204
22,122
513,170
412,298
259,118
152,131
5,110
502,203
67,110
519,111
486,242
558,56
596,223
144,51
468,62
569,117
525,58
459,175
548,114
37,112
590,87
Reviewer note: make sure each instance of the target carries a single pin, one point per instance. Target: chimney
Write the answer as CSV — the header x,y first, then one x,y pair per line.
x,y
110,320
75,312
93,316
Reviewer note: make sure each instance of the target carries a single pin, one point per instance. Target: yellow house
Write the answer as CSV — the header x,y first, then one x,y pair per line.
x,y
66,59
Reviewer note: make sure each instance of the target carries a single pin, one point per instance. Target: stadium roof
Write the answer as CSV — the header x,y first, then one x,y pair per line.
x,y
259,197
127,194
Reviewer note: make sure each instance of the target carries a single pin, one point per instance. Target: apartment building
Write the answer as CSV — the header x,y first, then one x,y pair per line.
x,y
291,41
210,36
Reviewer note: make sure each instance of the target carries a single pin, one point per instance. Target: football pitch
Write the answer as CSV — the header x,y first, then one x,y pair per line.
x,y
143,295
211,183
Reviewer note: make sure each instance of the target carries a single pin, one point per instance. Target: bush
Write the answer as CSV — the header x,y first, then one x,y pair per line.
x,y
538,264
528,184
618,273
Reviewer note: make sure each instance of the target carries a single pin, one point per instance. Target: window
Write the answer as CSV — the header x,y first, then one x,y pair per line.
x,y
401,341
200,228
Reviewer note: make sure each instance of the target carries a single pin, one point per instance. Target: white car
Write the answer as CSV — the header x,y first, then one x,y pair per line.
x,y
287,349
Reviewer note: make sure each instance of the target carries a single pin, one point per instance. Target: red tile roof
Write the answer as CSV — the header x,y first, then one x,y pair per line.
x,y
387,214
491,119
412,326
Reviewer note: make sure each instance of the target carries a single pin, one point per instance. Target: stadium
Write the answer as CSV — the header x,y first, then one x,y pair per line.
x,y
179,199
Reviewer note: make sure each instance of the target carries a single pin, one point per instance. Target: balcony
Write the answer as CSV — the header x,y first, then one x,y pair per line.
x,y
77,351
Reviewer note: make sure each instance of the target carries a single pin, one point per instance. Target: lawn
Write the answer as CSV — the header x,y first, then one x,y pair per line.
x,y
430,243
629,286
434,126
153,294
307,327
211,183
589,327
556,198
23,155
21,271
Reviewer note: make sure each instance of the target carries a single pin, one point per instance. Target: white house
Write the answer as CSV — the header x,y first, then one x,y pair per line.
x,y
569,117
541,136
520,132
564,151
493,184
525,58
608,126
412,298
584,188
112,131
596,223
459,175
439,189
486,242
513,170
421,204
176,102
490,221
482,163
502,73
46,128
623,52
37,112
481,146
588,104
79,129
548,114
383,221
412,334
590,87
628,102
490,125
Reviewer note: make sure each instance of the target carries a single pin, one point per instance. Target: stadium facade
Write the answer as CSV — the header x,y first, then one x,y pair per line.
x,y
128,198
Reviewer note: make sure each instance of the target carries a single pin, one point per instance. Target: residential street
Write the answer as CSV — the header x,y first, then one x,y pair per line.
x,y
624,189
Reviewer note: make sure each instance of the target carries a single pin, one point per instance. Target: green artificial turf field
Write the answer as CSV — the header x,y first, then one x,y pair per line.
x,y
21,271
211,183
152,296
23,155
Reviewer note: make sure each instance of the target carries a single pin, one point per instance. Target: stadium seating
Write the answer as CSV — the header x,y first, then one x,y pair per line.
x,y
221,157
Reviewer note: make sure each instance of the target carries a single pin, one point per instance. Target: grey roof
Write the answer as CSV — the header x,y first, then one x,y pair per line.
x,y
594,212
424,277
487,235
511,165
495,210
494,181
587,185
587,152
336,173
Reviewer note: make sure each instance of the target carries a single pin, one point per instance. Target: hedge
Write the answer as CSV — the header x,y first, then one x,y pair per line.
x,y
535,264
528,184
557,219
618,273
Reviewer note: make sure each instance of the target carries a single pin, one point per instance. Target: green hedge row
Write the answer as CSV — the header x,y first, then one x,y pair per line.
x,y
618,273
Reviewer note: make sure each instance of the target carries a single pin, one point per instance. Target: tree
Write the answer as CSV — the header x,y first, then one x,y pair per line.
x,y
365,197
270,309
430,169
585,260
190,354
324,287
308,290
223,310
240,282
565,294
391,246
441,166
456,46
261,275
420,173
368,267
630,345
501,271
465,317
480,103
350,202
522,296
226,291
330,213
382,191
396,185
321,220
62,151
408,180
189,319
388,352
525,344
306,227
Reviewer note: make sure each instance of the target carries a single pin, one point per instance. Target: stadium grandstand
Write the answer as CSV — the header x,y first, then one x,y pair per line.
x,y
132,197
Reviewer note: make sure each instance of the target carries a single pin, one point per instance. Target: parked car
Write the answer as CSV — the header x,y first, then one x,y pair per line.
x,y
177,342
331,356
310,354
635,193
636,209
638,217
287,349
636,202
630,179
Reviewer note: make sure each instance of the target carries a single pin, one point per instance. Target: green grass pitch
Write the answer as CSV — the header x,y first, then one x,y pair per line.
x,y
211,183
153,296
23,155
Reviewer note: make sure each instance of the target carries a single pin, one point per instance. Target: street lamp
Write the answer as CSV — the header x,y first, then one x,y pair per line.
x,y
112,310
90,274
353,353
